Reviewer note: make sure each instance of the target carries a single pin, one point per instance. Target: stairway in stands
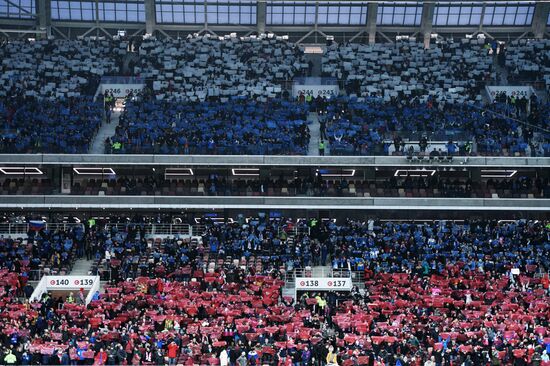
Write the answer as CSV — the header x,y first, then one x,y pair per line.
x,y
106,130
81,267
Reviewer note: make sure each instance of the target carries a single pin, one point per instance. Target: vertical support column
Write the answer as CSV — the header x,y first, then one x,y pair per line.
x,y
540,18
44,15
482,19
316,24
205,16
426,22
150,16
372,16
97,16
261,15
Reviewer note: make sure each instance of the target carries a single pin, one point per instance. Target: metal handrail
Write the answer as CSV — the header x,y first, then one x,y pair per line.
x,y
12,229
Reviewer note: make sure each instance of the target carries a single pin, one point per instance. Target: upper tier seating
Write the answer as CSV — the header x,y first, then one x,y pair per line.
x,y
367,126
33,125
58,69
454,70
201,66
240,126
528,60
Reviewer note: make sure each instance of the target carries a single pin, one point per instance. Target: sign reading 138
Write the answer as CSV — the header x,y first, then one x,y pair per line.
x,y
308,283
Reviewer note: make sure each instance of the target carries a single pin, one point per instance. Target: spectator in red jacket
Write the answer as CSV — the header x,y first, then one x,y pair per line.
x,y
172,353
101,357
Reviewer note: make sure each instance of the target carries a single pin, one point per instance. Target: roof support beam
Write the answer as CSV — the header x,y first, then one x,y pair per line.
x,y
540,18
150,16
427,22
372,16
261,15
44,21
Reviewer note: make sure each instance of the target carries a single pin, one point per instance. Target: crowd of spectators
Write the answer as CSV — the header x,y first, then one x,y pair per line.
x,y
42,252
528,61
518,186
395,90
56,68
197,67
436,293
239,126
33,125
46,89
406,186
455,70
369,126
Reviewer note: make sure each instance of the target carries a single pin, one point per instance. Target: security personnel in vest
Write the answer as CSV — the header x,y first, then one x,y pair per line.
x,y
116,146
91,223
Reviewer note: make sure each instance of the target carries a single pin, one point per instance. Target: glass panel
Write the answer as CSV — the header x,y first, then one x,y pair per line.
x,y
464,19
509,13
394,14
475,19
178,17
22,9
333,17
122,11
398,19
521,19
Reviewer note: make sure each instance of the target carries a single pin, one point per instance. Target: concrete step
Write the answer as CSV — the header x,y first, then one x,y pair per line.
x,y
106,130
81,267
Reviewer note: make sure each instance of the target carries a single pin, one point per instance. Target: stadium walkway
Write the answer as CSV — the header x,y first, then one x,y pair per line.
x,y
81,267
315,136
106,130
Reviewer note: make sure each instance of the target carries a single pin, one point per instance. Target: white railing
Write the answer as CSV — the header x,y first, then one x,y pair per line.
x,y
323,272
14,229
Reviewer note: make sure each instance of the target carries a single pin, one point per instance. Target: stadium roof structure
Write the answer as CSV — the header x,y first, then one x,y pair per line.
x,y
305,21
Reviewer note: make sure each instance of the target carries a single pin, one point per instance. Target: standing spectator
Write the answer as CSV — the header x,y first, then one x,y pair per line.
x,y
224,358
10,358
100,357
172,353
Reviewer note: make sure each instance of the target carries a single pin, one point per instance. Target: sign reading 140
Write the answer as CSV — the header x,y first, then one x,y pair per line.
x,y
70,281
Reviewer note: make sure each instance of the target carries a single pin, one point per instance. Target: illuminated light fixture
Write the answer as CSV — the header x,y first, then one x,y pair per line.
x,y
215,219
336,172
10,170
498,173
178,172
414,173
94,171
252,172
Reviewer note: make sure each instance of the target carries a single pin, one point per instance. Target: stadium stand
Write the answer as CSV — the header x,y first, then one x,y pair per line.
x,y
454,70
425,91
58,69
201,66
239,126
371,126
403,186
431,290
40,125
527,60
165,198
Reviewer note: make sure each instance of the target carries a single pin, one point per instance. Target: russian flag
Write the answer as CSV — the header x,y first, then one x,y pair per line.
x,y
37,225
